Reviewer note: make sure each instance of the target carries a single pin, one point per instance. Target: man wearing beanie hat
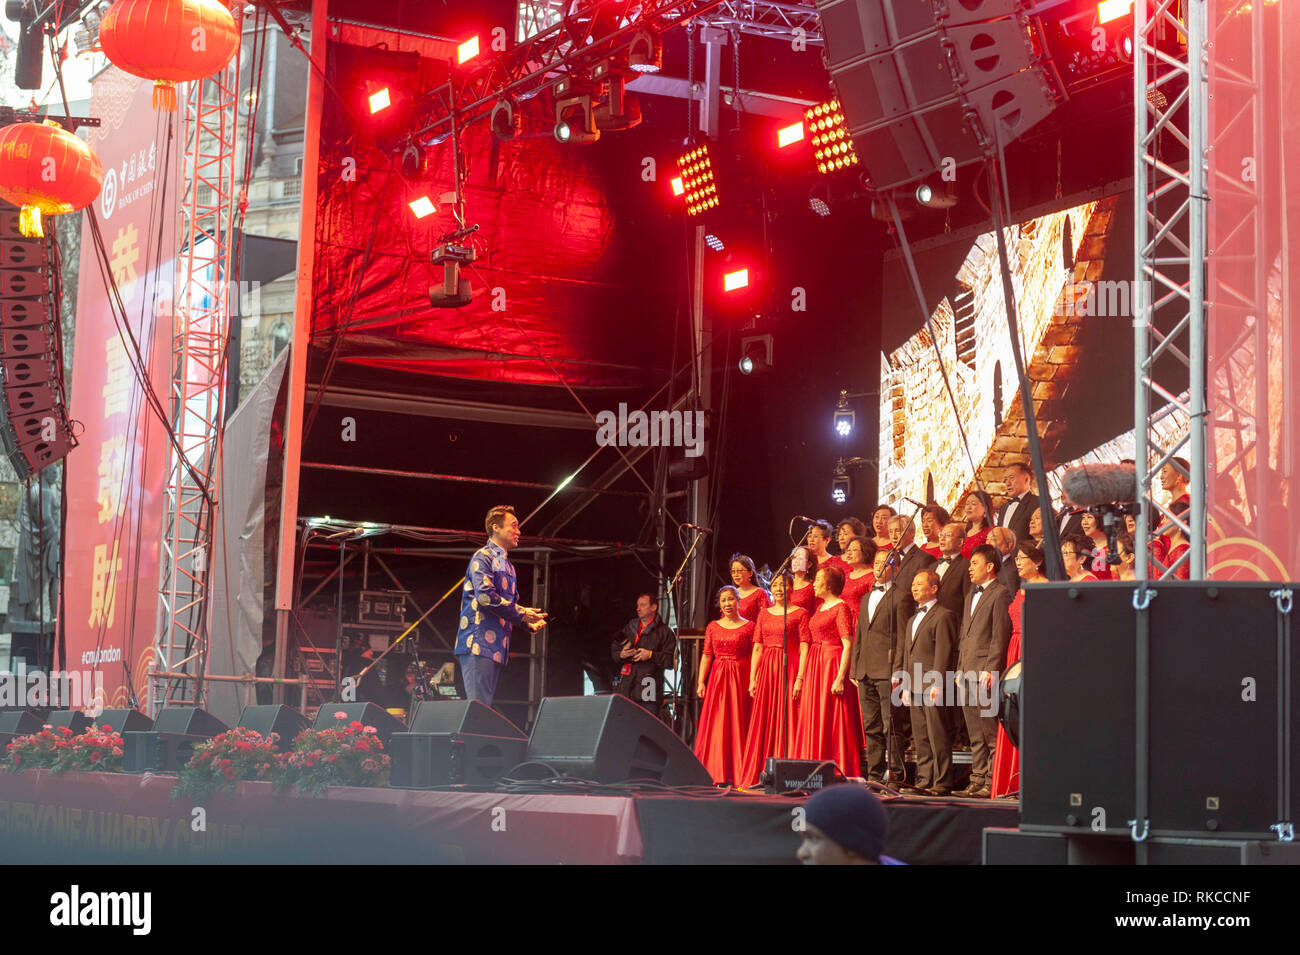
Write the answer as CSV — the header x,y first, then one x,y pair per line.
x,y
844,825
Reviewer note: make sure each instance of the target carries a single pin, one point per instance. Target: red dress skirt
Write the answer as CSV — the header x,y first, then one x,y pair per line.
x,y
829,726
750,606
772,691
1006,757
724,719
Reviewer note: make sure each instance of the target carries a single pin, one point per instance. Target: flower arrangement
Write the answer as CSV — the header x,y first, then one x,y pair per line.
x,y
98,749
224,760
352,755
37,751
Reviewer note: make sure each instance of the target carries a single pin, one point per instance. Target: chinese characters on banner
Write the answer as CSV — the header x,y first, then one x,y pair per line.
x,y
116,476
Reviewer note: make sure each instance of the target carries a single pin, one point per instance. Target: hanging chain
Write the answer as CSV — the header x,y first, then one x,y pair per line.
x,y
690,83
1058,169
735,74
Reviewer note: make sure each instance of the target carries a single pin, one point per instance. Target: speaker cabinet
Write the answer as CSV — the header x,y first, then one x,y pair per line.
x,y
155,752
124,721
1219,700
366,713
188,721
283,720
15,723
462,716
427,760
609,739
74,720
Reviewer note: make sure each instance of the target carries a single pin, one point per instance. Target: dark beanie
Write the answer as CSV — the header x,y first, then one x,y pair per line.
x,y
851,817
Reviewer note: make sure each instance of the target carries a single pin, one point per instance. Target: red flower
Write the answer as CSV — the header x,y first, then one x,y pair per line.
x,y
96,757
369,765
229,774
66,731
341,715
355,725
106,728
372,731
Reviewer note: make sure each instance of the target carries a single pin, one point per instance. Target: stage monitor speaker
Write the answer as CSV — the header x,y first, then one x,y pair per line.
x,y
1215,704
462,716
426,760
268,719
368,714
609,739
921,83
124,721
188,721
74,720
14,723
152,751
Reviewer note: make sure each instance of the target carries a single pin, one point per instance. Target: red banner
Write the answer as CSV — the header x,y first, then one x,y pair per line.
x,y
115,477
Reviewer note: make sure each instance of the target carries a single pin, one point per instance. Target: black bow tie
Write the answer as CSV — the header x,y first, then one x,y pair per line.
x,y
979,589
880,587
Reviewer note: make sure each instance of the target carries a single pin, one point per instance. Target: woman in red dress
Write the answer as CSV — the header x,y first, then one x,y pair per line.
x,y
753,597
829,723
1159,551
723,680
845,531
1074,551
1092,530
1178,546
1006,757
769,688
880,526
860,556
977,511
804,565
933,519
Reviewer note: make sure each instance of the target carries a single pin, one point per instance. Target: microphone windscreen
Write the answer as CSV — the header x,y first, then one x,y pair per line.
x,y
1090,484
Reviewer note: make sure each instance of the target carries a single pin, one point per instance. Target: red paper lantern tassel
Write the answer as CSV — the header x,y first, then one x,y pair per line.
x,y
164,96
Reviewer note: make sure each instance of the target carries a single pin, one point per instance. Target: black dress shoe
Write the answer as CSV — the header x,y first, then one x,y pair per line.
x,y
982,793
914,790
941,791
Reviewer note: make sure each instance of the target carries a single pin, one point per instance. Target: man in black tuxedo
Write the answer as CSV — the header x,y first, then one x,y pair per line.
x,y
985,633
907,558
1019,503
930,635
882,621
953,570
1003,540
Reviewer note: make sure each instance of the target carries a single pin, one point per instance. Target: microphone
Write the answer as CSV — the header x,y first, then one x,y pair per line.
x,y
913,503
1089,485
805,519
697,527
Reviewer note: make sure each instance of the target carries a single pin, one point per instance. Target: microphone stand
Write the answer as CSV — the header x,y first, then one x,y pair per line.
x,y
889,709
785,631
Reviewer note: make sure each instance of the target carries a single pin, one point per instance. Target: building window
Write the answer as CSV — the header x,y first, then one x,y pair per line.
x,y
297,165
279,337
292,188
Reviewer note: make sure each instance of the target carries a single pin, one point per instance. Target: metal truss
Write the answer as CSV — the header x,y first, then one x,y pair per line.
x,y
1169,250
781,21
574,44
200,329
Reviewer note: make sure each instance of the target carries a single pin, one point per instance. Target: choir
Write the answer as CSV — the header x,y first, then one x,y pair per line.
x,y
821,667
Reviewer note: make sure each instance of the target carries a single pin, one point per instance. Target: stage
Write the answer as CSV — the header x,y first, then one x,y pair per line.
x,y
123,818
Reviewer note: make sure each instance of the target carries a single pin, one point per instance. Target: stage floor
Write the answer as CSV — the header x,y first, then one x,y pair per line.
x,y
115,817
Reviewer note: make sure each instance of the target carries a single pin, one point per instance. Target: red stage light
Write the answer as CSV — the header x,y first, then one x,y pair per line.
x,y
1109,10
423,207
788,135
380,100
734,280
467,50
832,145
678,188
697,181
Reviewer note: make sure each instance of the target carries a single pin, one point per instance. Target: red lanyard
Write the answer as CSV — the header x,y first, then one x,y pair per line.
x,y
640,630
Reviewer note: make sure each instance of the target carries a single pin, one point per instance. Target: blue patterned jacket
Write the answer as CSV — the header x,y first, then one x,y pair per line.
x,y
488,605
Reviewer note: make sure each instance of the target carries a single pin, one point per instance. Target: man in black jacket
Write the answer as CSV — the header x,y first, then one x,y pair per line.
x,y
643,649
1019,502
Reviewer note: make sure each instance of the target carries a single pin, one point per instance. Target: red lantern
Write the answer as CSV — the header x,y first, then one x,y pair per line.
x,y
169,41
44,168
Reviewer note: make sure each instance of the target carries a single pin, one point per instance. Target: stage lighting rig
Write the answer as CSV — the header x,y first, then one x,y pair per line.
x,y
841,484
507,120
832,147
699,185
452,253
646,54
844,416
932,197
617,111
573,100
755,354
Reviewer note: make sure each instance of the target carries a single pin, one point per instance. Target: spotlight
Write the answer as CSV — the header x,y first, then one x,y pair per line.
x,y
755,354
841,484
700,187
678,186
380,100
646,54
843,416
413,163
931,198
617,112
569,103
788,135
832,147
1124,47
819,206
467,50
735,280
506,120
423,207
714,243
1109,10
